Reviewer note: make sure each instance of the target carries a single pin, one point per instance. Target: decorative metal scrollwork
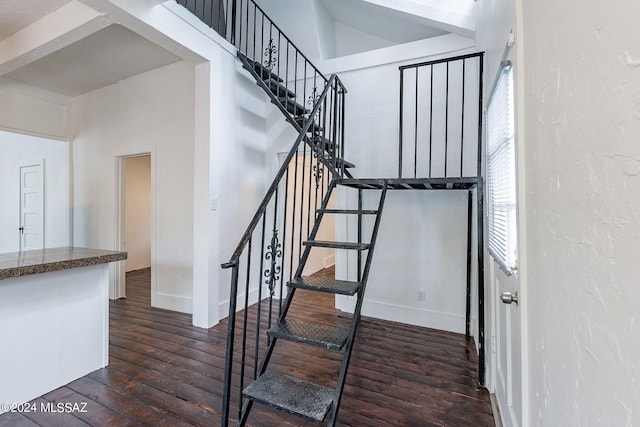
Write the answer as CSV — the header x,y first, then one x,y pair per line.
x,y
312,99
274,252
318,171
271,55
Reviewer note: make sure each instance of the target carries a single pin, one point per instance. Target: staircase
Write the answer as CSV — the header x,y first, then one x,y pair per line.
x,y
295,396
292,212
276,246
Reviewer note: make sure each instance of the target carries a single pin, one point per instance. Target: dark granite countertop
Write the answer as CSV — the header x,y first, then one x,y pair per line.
x,y
18,264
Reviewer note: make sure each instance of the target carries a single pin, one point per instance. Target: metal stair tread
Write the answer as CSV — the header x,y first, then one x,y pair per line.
x,y
293,107
292,395
322,284
346,163
315,127
349,211
329,337
337,245
323,142
263,72
279,89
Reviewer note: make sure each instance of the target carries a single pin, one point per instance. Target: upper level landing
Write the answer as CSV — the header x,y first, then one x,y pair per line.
x,y
464,183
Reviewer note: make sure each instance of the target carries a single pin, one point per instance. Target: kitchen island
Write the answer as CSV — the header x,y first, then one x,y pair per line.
x,y
54,318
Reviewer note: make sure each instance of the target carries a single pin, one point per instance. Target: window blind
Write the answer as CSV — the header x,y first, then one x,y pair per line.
x,y
501,181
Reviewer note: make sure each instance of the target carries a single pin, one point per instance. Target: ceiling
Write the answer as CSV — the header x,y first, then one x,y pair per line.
x,y
15,15
392,25
101,59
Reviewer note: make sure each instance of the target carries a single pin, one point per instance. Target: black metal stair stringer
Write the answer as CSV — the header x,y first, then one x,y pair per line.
x,y
295,114
355,321
292,395
246,407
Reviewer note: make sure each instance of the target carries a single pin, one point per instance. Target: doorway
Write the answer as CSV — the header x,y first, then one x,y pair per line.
x,y
135,224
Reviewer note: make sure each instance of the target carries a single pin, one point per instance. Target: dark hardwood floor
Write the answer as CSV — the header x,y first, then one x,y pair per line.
x,y
165,372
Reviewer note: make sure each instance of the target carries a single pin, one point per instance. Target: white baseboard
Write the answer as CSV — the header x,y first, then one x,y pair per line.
x,y
172,302
414,316
329,260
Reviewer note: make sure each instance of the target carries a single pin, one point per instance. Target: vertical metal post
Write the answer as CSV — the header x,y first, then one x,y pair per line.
x,y
464,62
343,99
469,225
226,396
359,234
415,132
480,226
431,121
446,125
401,122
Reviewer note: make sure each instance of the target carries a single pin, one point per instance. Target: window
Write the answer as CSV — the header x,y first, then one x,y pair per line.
x,y
501,178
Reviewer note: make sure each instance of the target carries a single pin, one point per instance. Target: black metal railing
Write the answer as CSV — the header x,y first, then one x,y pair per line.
x,y
440,118
284,72
269,251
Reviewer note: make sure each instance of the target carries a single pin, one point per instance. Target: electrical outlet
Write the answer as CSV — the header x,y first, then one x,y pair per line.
x,y
422,295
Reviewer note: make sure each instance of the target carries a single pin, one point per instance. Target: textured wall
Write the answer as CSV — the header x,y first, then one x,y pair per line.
x,y
582,159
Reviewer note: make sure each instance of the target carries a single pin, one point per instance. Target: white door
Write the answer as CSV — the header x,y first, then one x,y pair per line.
x,y
507,345
505,282
32,206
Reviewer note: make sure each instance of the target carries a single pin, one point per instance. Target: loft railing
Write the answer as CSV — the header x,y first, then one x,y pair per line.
x,y
441,118
270,249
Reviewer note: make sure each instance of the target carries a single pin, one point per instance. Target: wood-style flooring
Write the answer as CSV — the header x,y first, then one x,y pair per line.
x,y
165,372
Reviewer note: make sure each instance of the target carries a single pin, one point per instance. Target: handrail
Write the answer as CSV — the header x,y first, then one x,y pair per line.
x,y
276,180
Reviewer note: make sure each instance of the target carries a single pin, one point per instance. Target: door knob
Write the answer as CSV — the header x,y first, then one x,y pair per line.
x,y
508,297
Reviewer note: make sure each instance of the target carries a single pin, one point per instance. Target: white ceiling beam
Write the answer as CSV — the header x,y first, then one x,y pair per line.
x,y
66,25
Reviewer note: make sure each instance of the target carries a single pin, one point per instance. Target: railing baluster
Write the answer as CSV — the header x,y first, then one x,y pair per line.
x,y
400,137
311,151
464,63
259,275
228,366
234,11
341,138
446,123
415,133
245,320
293,212
275,248
431,123
284,238
304,160
255,13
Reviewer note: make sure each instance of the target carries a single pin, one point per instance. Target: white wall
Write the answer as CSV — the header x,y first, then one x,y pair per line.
x,y
17,148
238,176
124,119
580,168
138,212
